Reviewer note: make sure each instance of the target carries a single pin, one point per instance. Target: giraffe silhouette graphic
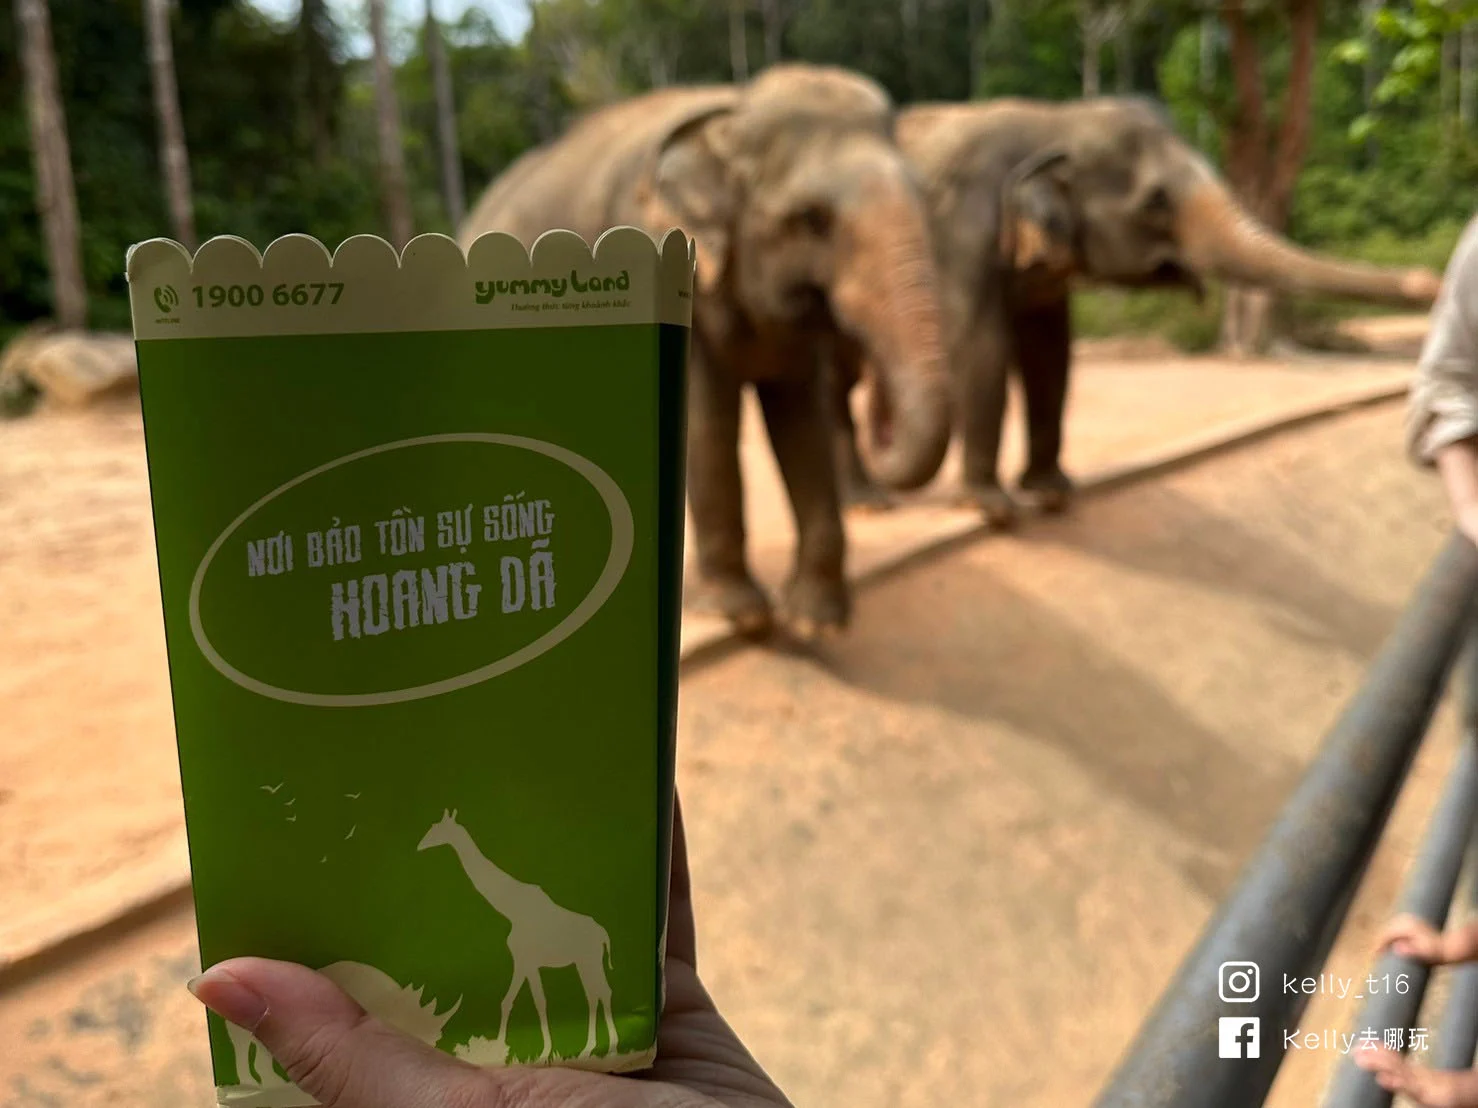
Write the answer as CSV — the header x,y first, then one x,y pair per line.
x,y
542,935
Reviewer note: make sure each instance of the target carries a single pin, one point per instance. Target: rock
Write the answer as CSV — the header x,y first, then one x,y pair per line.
x,y
67,368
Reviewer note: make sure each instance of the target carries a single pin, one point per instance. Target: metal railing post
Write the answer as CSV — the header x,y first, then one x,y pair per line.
x,y
1457,1035
1286,908
1396,985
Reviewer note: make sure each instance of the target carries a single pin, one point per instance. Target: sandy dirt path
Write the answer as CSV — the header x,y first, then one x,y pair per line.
x,y
954,857
89,798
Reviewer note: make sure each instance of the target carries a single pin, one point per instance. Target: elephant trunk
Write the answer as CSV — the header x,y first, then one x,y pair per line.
x,y
886,296
1221,238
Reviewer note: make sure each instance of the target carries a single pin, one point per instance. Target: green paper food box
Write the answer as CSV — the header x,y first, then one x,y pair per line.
x,y
419,525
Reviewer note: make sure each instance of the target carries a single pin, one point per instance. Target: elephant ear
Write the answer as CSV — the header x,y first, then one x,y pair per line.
x,y
695,187
1028,174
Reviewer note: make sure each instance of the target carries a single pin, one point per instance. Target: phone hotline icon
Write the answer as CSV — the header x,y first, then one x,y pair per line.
x,y
1239,982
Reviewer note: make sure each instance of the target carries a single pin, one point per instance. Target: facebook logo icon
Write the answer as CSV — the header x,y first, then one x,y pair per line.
x,y
1237,1036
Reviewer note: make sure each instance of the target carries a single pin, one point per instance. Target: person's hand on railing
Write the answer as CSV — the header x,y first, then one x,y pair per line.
x,y
1413,937
1410,936
1427,1088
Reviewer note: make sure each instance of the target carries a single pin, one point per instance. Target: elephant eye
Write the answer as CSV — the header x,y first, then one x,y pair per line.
x,y
1157,201
814,219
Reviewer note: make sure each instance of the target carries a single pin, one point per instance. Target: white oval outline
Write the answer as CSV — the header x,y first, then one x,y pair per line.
x,y
623,534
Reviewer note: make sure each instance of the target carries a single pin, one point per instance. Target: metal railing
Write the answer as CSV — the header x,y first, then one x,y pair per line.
x,y
1292,897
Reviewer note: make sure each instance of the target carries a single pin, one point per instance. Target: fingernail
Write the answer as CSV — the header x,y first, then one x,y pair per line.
x,y
228,998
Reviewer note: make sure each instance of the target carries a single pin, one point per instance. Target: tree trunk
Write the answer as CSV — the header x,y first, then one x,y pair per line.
x,y
1449,95
1097,26
1092,49
1467,86
1298,103
319,77
1262,175
174,157
543,66
738,41
908,12
659,73
773,16
395,193
973,21
1371,75
1207,81
1124,54
452,188
56,193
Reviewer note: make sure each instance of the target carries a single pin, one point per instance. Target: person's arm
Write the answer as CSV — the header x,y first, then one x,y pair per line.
x,y
1442,410
1457,462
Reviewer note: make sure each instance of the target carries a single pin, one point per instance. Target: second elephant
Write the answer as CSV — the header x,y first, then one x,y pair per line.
x,y
1024,197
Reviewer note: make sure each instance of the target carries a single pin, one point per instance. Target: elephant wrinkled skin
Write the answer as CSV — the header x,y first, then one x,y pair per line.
x,y
810,233
1025,197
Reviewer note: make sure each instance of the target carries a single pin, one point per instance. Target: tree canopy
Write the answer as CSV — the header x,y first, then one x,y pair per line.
x,y
280,122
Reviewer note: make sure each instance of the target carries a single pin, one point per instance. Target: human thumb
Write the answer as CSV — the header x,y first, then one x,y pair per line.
x,y
335,1051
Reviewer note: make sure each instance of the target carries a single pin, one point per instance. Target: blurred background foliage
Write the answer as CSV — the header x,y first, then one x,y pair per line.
x,y
280,121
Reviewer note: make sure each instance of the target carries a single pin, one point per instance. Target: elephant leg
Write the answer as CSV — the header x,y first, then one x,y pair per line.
x,y
982,359
816,595
1044,355
858,490
716,497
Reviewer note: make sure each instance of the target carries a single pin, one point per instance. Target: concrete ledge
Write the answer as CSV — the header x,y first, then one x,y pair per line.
x,y
943,529
94,909
101,908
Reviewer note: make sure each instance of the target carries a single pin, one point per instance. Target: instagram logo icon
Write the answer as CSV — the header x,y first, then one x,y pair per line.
x,y
1239,982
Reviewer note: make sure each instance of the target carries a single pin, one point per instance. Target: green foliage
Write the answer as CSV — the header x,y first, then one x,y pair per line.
x,y
279,125
1028,51
280,122
930,63
1185,98
1416,31
494,106
1173,316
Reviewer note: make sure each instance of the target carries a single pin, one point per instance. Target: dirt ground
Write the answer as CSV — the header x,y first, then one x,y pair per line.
x,y
953,856
83,679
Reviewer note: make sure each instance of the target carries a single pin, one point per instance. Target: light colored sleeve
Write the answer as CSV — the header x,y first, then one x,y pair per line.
x,y
1442,405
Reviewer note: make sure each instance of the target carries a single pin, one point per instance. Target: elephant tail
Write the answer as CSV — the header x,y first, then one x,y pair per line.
x,y
605,946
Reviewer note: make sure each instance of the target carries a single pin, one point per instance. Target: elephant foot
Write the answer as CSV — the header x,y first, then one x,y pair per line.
x,y
815,606
994,503
1050,490
739,601
865,497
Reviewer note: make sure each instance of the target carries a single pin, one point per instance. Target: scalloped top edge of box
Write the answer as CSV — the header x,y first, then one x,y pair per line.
x,y
298,286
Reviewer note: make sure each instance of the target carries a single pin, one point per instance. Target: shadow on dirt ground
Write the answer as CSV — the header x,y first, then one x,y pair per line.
x,y
1168,534
993,654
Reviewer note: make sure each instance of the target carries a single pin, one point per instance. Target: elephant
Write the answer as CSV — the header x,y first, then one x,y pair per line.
x,y
810,232
1026,198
